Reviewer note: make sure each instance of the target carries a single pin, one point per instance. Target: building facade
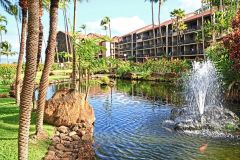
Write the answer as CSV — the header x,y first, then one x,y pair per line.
x,y
139,44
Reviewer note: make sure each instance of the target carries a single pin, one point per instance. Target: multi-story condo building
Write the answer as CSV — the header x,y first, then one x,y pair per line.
x,y
139,44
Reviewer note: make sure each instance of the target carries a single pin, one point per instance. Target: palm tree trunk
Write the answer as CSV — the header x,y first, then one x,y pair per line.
x,y
29,79
66,34
110,34
18,29
74,53
237,5
0,43
50,53
203,34
153,26
159,23
40,40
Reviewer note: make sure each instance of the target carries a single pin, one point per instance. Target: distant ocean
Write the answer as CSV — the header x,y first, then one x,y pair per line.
x,y
11,60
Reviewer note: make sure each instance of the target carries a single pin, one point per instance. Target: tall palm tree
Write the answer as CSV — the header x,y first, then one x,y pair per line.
x,y
50,53
178,24
84,27
6,49
3,23
14,10
29,78
105,28
160,3
153,26
5,4
107,22
24,7
74,66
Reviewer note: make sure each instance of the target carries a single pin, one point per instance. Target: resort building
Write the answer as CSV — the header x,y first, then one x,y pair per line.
x,y
64,44
139,44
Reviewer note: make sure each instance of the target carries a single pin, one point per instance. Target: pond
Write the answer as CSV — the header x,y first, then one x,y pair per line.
x,y
129,121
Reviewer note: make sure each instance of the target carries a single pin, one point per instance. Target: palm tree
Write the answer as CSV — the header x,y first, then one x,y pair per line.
x,y
6,49
14,10
160,3
50,53
107,22
24,7
84,27
2,28
153,25
178,24
74,53
29,78
105,28
5,4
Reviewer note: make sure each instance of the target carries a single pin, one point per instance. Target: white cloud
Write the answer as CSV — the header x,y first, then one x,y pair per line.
x,y
190,4
119,25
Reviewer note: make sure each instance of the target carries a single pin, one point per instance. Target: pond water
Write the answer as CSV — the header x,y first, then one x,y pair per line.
x,y
129,120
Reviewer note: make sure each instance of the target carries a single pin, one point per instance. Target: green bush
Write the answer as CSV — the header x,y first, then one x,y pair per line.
x,y
224,65
105,80
7,73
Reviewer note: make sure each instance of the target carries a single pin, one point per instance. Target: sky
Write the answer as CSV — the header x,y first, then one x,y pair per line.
x,y
125,16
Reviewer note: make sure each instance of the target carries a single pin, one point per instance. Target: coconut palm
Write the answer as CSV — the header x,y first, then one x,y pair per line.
x,y
74,53
107,22
160,3
15,11
50,53
153,26
105,28
3,28
24,7
5,4
178,23
6,49
84,27
29,79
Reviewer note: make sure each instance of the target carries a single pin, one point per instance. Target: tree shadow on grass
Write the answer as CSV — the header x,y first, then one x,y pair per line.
x,y
8,110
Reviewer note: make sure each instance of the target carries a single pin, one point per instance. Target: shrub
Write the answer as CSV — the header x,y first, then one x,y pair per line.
x,y
219,55
105,80
7,73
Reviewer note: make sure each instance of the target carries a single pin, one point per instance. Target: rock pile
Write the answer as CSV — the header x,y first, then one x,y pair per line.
x,y
72,143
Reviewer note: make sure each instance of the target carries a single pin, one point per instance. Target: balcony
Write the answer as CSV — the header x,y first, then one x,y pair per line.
x,y
179,43
145,37
189,41
139,47
192,28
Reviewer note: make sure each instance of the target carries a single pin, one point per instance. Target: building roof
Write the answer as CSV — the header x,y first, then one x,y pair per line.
x,y
188,17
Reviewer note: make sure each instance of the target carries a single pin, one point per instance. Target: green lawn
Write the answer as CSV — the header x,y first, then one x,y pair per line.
x,y
9,115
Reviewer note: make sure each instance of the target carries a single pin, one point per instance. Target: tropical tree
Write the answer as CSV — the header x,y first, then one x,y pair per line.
x,y
84,28
50,53
3,23
178,23
74,54
105,28
153,26
5,4
29,79
107,22
160,3
6,49
24,8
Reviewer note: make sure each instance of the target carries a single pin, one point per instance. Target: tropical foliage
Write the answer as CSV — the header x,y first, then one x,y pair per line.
x,y
7,73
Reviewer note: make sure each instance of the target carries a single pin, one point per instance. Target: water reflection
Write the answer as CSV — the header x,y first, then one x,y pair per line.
x,y
129,120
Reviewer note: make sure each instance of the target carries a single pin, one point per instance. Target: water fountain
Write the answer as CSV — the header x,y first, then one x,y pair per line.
x,y
204,109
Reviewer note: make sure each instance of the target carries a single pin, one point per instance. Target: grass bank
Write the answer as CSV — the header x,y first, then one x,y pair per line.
x,y
9,117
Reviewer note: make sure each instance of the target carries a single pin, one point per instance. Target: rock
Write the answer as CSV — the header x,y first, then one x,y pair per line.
x,y
68,107
130,75
63,129
214,119
75,137
72,133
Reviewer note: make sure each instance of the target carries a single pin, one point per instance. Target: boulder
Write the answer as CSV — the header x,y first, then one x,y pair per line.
x,y
68,107
130,75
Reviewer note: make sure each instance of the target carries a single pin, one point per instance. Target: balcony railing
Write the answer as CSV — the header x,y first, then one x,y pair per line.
x,y
192,28
187,41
